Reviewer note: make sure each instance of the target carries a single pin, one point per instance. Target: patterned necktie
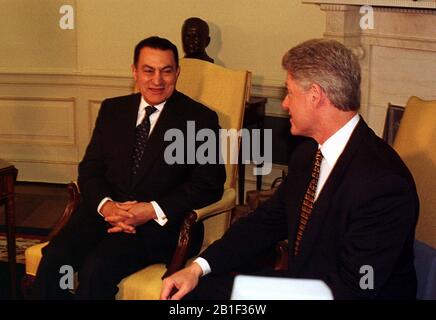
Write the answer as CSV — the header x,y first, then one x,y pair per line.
x,y
309,199
141,133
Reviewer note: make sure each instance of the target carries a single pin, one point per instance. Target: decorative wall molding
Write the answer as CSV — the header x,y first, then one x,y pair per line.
x,y
422,4
59,79
106,82
54,157
338,7
21,123
50,162
397,56
358,51
45,120
411,39
405,10
268,91
93,108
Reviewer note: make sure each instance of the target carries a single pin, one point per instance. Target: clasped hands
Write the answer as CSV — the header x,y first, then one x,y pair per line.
x,y
125,216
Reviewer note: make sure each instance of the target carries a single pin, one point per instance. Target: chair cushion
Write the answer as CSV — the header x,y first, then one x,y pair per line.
x,y
130,288
33,256
142,285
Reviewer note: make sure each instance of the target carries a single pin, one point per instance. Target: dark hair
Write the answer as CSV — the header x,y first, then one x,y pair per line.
x,y
156,43
329,64
197,22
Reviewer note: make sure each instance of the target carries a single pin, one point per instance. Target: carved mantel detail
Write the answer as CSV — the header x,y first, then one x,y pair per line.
x,y
400,4
397,52
349,7
358,51
337,7
405,10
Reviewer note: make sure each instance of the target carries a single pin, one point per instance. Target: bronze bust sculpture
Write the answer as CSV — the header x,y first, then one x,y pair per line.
x,y
195,39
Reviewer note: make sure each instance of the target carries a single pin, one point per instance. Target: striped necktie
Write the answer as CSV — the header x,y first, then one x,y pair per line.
x,y
308,201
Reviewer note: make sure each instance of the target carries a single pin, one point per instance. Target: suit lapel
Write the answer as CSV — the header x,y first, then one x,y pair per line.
x,y
322,205
127,135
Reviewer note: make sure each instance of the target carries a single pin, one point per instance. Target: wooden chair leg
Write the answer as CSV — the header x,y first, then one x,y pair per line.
x,y
27,286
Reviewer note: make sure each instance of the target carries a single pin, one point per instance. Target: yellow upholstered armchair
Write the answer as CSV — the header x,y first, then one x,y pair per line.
x,y
415,142
225,91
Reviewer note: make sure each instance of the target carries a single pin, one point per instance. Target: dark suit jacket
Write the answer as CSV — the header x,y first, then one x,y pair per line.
x,y
178,188
365,215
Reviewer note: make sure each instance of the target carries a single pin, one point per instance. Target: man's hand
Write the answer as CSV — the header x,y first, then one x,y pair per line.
x,y
132,214
118,216
141,212
181,283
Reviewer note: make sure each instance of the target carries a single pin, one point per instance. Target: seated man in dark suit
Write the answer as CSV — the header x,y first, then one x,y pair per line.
x,y
134,201
348,206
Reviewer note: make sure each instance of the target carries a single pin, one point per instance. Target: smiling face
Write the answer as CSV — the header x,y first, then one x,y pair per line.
x,y
156,74
297,104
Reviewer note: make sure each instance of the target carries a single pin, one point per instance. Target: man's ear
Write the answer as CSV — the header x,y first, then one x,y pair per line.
x,y
177,72
317,94
207,41
133,68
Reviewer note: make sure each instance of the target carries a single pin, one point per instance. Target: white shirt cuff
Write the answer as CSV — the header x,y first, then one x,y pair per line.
x,y
102,202
204,265
161,217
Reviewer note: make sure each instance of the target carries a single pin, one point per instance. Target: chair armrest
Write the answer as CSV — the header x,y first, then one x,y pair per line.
x,y
226,203
73,202
180,256
281,260
239,212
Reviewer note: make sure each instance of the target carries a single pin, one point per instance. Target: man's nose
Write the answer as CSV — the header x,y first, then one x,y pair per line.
x,y
157,78
285,103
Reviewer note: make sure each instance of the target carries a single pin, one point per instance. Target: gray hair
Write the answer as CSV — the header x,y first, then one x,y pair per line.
x,y
329,64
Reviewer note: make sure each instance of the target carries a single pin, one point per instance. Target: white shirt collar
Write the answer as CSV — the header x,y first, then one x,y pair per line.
x,y
144,104
332,148
153,117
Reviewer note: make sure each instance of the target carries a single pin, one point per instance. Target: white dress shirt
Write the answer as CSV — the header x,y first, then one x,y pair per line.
x,y
331,150
161,217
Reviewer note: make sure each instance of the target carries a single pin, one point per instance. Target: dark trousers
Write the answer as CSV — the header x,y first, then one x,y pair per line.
x,y
101,259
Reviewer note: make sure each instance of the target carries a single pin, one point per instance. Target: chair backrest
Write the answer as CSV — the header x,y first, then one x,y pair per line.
x,y
416,144
224,91
221,89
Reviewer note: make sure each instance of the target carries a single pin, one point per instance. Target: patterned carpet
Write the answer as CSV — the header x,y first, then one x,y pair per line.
x,y
21,245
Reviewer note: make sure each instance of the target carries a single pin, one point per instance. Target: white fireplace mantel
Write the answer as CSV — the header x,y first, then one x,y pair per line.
x,y
422,4
397,55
